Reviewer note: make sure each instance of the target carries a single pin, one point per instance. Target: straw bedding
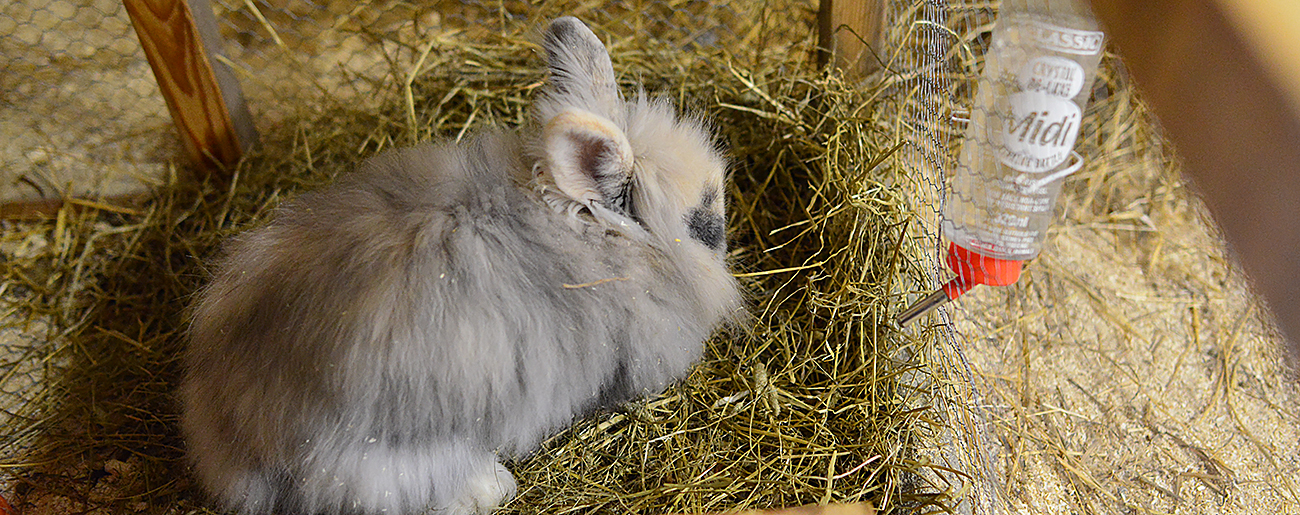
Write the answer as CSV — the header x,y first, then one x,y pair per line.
x,y
805,403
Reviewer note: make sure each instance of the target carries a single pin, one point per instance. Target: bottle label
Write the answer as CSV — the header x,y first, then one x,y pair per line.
x,y
1068,41
1020,141
1037,131
1056,76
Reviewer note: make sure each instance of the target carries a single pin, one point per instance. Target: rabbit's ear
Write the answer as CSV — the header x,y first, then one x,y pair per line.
x,y
589,158
581,73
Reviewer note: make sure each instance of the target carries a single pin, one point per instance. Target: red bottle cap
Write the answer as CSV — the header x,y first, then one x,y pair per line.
x,y
973,268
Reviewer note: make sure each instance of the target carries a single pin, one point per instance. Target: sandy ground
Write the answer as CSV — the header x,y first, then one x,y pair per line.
x,y
1174,402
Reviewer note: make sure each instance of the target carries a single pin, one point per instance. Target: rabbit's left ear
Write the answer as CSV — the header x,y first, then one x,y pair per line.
x,y
581,72
589,157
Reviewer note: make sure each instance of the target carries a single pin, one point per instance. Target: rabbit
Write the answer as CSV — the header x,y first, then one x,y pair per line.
x,y
382,343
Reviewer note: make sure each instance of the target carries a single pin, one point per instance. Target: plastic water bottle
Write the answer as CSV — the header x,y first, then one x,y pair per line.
x,y
1019,143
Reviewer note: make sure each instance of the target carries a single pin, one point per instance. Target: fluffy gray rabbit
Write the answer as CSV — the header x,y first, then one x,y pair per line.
x,y
382,342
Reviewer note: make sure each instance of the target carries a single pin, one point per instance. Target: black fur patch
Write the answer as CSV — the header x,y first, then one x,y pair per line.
x,y
707,227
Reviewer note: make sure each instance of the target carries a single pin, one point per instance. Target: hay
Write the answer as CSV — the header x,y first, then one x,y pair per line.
x,y
817,401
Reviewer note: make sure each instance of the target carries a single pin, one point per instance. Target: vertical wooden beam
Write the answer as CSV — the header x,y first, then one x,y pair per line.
x,y
202,95
1234,118
849,33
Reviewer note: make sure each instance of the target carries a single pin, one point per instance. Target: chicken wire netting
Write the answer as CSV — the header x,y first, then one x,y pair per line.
x,y
79,107
937,62
1101,380
83,116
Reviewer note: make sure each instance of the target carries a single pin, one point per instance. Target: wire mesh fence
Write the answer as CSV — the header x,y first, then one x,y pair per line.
x,y
940,47
80,108
1084,364
81,115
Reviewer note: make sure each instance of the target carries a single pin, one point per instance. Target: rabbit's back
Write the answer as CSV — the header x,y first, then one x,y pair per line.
x,y
424,299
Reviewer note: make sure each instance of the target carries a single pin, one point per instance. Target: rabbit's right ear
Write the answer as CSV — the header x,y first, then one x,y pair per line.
x,y
584,150
588,157
581,73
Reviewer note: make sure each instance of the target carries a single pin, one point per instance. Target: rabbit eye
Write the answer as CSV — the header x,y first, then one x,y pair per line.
x,y
707,227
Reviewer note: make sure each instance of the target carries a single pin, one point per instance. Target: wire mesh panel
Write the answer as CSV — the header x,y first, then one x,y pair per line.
x,y
80,110
1086,363
940,47
80,115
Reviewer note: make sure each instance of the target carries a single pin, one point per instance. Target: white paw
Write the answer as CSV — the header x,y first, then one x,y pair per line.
x,y
484,493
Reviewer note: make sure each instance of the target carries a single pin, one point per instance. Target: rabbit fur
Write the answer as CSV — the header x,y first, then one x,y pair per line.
x,y
382,342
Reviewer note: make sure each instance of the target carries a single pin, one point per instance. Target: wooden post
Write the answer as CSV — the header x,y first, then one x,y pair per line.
x,y
206,104
1224,78
849,35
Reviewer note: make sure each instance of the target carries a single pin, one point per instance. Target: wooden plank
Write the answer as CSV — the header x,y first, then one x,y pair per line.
x,y
206,23
181,63
1230,114
849,33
